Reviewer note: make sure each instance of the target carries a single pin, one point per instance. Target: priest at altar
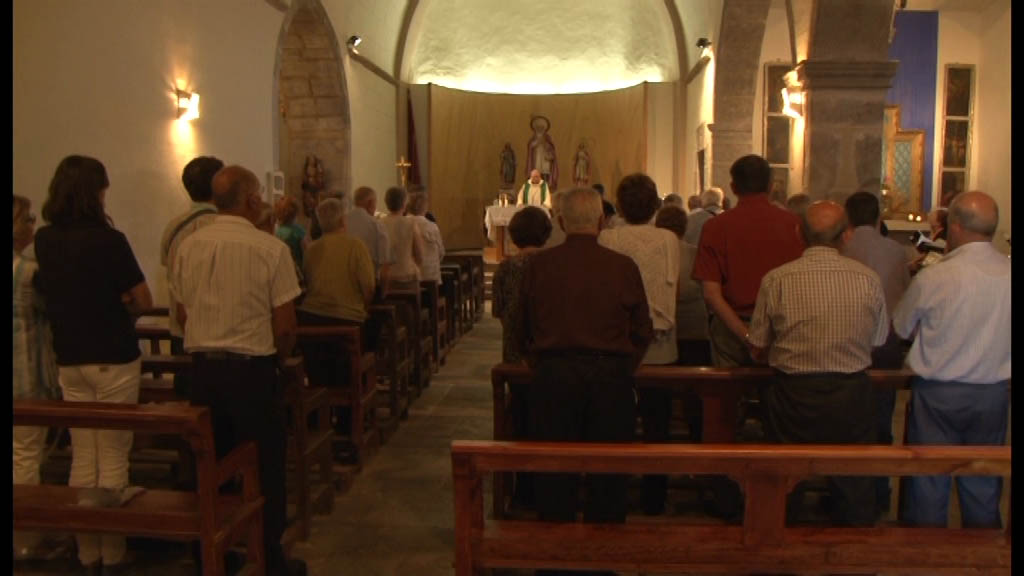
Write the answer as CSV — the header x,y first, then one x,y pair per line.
x,y
534,192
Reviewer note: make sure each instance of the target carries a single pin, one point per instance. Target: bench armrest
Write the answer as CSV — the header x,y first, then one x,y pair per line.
x,y
243,461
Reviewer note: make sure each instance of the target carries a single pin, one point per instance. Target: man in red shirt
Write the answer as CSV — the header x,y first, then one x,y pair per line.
x,y
737,248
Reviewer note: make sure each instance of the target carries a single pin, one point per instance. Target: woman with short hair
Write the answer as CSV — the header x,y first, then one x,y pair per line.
x,y
35,368
433,244
94,290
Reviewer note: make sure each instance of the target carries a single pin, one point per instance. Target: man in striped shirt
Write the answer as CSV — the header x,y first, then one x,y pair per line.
x,y
236,286
819,317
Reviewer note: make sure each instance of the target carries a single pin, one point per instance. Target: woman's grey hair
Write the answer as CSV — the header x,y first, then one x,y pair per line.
x,y
712,197
331,215
417,203
580,210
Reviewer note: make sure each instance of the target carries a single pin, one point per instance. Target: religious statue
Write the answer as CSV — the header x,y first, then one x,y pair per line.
x,y
312,184
540,151
508,166
581,168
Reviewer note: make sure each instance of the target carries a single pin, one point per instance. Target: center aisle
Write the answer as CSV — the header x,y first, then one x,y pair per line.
x,y
397,518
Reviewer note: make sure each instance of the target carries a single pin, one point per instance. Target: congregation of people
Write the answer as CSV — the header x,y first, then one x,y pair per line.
x,y
238,287
815,290
812,289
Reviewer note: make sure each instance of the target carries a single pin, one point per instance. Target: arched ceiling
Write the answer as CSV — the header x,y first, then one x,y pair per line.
x,y
540,46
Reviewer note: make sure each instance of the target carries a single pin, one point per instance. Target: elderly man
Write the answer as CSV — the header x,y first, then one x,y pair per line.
x,y
711,206
583,346
362,224
672,200
236,286
958,313
534,192
196,177
819,316
888,259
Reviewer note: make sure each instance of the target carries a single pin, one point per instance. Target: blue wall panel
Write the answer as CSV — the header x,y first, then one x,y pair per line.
x,y
916,46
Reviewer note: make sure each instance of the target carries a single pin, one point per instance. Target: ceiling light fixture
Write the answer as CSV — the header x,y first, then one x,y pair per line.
x,y
354,41
188,105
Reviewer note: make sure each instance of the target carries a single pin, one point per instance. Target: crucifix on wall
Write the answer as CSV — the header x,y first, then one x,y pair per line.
x,y
404,166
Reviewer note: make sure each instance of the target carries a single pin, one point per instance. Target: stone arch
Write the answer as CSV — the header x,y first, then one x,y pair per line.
x,y
737,69
311,100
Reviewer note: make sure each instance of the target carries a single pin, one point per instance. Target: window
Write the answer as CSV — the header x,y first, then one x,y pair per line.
x,y
956,131
776,125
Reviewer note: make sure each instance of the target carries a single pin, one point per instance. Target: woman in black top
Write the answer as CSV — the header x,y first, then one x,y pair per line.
x,y
93,288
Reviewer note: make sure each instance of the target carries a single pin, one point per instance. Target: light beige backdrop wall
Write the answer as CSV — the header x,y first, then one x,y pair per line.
x,y
469,129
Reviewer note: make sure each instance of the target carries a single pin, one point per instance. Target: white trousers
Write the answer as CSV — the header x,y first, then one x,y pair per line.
x,y
99,458
29,445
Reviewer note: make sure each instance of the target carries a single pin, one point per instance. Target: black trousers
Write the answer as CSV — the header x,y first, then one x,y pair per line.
x,y
246,401
581,398
182,380
826,409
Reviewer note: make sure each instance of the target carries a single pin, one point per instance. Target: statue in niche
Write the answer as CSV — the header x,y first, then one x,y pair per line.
x,y
581,168
508,166
540,152
312,184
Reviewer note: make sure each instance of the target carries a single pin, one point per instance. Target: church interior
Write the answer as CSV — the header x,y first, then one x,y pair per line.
x,y
909,100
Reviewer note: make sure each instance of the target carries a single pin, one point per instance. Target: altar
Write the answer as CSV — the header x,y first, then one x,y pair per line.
x,y
496,219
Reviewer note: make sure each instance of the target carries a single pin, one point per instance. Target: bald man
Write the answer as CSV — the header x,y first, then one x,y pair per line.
x,y
534,192
818,318
236,286
361,224
957,311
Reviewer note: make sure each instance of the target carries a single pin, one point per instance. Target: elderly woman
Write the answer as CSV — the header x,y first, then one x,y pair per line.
x,y
93,288
406,243
433,245
656,254
35,368
288,230
339,287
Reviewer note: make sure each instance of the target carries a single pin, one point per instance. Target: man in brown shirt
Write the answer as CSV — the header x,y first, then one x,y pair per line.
x,y
585,328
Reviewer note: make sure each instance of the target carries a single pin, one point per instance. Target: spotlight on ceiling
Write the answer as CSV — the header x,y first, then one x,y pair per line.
x,y
354,41
703,43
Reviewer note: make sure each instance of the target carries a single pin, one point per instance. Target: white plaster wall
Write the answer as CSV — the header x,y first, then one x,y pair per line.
x,y
97,79
774,49
541,46
660,129
701,19
992,162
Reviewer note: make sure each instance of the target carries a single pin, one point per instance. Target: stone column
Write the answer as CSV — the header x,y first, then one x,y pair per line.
x,y
844,105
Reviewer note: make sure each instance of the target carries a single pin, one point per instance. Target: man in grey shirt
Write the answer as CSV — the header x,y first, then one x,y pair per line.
x,y
888,259
362,224
711,203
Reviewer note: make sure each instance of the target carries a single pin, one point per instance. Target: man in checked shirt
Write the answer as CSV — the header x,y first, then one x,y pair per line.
x,y
818,317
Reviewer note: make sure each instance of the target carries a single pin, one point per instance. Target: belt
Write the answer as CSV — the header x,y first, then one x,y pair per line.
x,y
225,355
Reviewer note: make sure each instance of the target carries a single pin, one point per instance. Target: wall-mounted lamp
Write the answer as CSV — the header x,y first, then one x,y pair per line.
x,y
353,41
705,47
188,105
792,96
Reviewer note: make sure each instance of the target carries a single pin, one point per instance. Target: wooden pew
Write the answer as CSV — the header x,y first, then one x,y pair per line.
x,y
394,361
466,296
215,520
359,389
476,278
416,319
762,544
309,447
719,389
453,287
430,294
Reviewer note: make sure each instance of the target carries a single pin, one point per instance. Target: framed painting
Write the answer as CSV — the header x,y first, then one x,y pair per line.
x,y
906,182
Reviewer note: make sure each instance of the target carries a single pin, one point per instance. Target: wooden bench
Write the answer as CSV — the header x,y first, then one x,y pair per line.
x,y
416,318
430,294
215,520
762,544
475,261
359,388
309,448
719,388
452,287
394,361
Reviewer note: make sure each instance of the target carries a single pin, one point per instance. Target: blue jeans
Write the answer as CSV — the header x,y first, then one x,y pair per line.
x,y
955,413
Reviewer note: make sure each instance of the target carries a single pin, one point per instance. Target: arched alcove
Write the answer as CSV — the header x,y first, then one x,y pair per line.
x,y
312,99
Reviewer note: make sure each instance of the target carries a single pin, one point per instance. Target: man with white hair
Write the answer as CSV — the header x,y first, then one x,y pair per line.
x,y
958,313
361,224
583,346
711,206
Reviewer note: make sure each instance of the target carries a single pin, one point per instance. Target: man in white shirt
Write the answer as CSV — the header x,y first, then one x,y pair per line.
x,y
958,313
534,192
362,224
236,286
